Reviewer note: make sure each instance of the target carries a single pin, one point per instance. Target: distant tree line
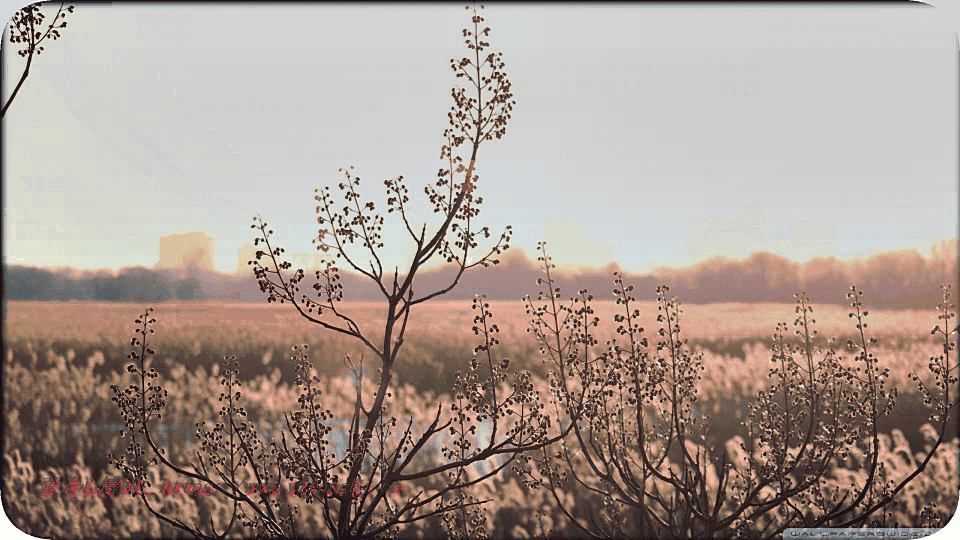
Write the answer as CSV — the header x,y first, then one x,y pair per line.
x,y
895,280
138,284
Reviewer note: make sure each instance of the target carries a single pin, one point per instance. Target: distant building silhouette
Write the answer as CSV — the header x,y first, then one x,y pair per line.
x,y
245,254
193,249
307,261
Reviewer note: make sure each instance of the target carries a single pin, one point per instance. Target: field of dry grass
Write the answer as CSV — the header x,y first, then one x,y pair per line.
x,y
61,358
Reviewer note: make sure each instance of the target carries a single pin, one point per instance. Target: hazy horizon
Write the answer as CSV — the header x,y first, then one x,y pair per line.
x,y
626,145
521,251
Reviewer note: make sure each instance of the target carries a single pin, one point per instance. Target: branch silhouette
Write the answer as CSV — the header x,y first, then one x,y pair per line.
x,y
23,29
380,452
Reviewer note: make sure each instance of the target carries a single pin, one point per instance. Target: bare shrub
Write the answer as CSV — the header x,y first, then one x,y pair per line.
x,y
380,447
814,456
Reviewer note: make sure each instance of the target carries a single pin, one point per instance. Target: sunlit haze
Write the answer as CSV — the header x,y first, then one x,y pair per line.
x,y
651,136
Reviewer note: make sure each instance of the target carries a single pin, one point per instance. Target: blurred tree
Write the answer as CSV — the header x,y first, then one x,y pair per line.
x,y
189,289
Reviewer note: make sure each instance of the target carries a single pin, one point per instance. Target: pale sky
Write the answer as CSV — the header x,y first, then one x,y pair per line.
x,y
647,135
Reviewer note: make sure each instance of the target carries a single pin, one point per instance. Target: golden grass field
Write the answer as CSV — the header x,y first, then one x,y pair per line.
x,y
61,358
83,320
